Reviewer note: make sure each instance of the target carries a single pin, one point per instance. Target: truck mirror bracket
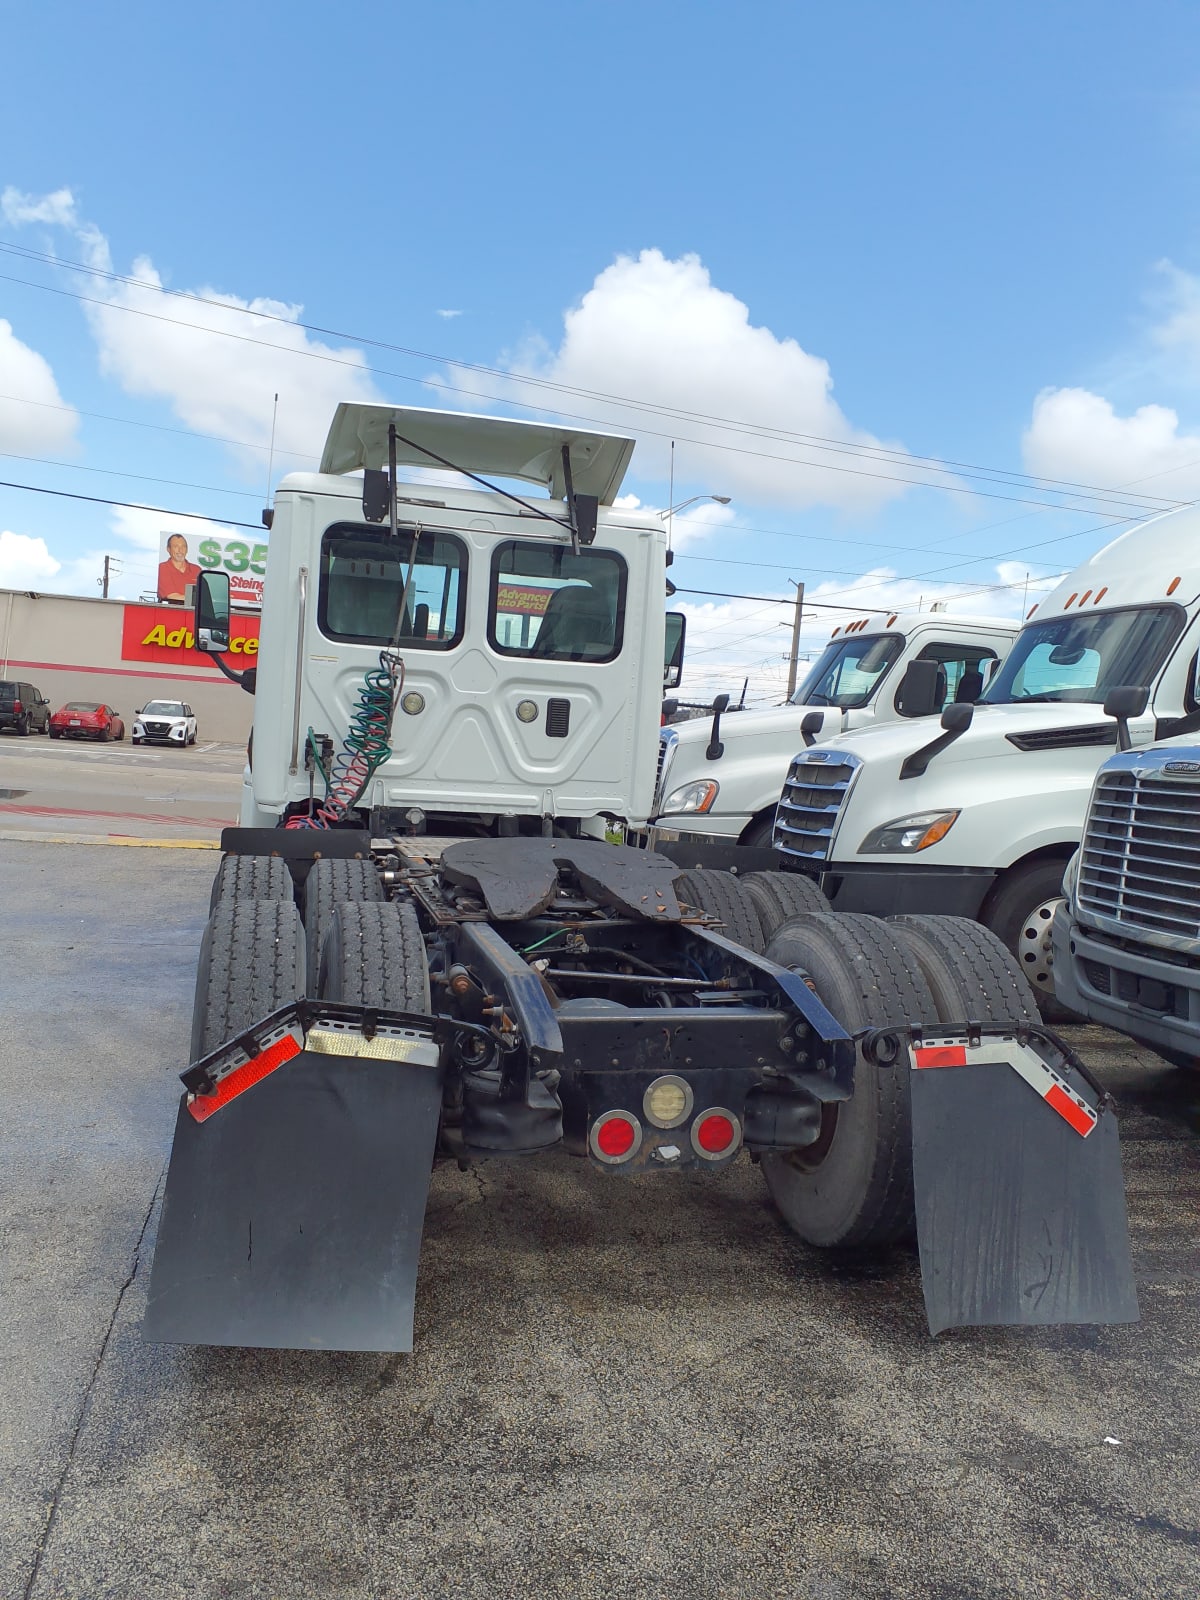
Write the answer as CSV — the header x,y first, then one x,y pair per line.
x,y
956,719
715,748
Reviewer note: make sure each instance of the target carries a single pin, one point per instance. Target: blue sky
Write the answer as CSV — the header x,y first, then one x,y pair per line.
x,y
963,234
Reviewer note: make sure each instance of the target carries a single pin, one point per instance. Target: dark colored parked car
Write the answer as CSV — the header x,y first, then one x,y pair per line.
x,y
23,708
86,719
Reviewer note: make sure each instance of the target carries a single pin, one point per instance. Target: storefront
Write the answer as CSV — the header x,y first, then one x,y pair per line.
x,y
74,648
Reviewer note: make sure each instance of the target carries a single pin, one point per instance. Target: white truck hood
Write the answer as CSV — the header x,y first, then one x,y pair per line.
x,y
1011,798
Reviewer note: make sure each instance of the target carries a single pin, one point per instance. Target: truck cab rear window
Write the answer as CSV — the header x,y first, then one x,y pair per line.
x,y
552,605
363,574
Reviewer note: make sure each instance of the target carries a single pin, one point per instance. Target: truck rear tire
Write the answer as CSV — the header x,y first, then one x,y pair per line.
x,y
780,896
374,955
722,895
1019,912
329,885
854,1187
251,878
251,963
972,976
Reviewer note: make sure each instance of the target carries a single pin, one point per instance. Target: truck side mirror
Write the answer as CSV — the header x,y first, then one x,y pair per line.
x,y
673,654
956,718
715,748
211,616
811,726
919,689
1130,700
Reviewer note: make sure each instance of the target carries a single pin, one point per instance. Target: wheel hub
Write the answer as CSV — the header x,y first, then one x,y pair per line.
x,y
1034,948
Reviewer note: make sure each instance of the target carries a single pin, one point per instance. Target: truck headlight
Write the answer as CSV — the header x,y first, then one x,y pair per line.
x,y
691,797
907,834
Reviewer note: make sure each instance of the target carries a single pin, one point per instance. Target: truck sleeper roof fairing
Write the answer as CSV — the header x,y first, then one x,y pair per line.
x,y
491,446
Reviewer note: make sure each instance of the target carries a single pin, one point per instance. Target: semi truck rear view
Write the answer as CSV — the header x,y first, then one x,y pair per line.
x,y
420,948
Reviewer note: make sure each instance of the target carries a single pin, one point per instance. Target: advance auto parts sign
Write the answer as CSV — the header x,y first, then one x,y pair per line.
x,y
164,634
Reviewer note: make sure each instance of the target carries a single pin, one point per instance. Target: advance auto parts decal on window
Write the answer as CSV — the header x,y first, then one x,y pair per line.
x,y
164,634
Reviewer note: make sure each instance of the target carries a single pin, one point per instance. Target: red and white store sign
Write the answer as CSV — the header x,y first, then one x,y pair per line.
x,y
163,634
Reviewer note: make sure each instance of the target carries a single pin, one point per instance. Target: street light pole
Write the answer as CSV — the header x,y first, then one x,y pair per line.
x,y
794,657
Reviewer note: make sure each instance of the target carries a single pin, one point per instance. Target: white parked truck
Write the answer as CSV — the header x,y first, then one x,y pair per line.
x,y
978,817
720,780
374,995
1127,932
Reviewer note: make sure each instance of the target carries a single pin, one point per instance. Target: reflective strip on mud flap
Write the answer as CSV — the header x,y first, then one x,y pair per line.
x,y
245,1071
957,1051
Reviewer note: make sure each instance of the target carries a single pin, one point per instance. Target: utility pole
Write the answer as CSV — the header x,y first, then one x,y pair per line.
x,y
111,564
795,653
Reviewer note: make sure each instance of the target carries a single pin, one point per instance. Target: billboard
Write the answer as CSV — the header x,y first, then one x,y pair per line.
x,y
182,558
159,634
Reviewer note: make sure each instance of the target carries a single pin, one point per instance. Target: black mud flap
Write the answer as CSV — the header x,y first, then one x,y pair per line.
x,y
293,1211
1020,1204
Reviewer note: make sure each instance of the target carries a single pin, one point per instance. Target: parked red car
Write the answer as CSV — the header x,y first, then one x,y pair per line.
x,y
86,719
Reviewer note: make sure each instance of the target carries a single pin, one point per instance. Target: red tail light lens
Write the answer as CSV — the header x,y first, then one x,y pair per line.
x,y
615,1137
715,1134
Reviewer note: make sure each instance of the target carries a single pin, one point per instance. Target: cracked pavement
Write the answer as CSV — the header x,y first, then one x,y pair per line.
x,y
621,1387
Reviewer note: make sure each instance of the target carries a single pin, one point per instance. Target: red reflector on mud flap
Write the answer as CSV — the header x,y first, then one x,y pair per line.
x,y
1024,1061
202,1106
939,1056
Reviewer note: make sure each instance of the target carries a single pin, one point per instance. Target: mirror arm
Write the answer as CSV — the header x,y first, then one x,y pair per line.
x,y
244,680
914,765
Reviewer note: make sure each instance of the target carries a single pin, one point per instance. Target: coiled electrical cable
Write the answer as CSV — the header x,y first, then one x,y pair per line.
x,y
366,746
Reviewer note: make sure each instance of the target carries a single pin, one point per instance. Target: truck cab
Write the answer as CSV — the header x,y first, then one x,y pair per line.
x,y
522,696
724,786
979,818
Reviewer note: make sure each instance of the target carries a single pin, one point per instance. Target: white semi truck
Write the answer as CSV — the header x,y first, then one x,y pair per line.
x,y
1127,931
979,816
722,782
418,950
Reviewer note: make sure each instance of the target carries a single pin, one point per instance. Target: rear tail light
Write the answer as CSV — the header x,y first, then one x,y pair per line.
x,y
615,1137
17,707
716,1133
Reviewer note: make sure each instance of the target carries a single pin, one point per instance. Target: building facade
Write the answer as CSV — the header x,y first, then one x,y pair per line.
x,y
123,654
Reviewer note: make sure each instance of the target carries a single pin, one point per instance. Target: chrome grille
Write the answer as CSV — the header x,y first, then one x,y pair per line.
x,y
667,740
1139,864
813,795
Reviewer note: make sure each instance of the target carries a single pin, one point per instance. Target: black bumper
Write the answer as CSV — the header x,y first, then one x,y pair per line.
x,y
1139,992
883,891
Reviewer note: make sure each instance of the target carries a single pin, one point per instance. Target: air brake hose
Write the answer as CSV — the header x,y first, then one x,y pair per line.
x,y
365,748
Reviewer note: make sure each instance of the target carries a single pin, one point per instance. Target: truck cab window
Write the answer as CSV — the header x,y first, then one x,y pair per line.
x,y
552,605
363,574
964,671
848,671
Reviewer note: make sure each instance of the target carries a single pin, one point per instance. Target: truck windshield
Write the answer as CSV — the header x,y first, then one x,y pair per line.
x,y
1082,657
848,671
363,575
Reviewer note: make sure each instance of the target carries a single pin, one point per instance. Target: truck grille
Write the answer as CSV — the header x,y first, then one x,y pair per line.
x,y
667,740
1139,865
815,791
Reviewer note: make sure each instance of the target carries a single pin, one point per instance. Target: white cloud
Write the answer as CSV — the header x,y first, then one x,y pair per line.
x,y
34,418
57,209
1077,435
660,330
218,367
25,562
449,315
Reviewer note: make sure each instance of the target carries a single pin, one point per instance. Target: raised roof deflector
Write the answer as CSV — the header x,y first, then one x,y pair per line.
x,y
496,447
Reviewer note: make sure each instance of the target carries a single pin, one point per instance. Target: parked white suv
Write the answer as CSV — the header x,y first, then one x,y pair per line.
x,y
164,722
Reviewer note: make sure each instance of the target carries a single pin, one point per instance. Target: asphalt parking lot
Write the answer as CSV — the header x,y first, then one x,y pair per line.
x,y
620,1387
80,789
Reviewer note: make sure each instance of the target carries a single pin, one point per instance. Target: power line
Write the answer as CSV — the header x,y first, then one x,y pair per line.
x,y
130,505
707,444
874,452
113,472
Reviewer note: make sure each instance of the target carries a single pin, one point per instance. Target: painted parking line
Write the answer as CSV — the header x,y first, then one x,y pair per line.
x,y
117,816
24,836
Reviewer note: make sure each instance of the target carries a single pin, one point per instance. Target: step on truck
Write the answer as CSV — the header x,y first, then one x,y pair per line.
x,y
1127,931
978,817
719,780
421,947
